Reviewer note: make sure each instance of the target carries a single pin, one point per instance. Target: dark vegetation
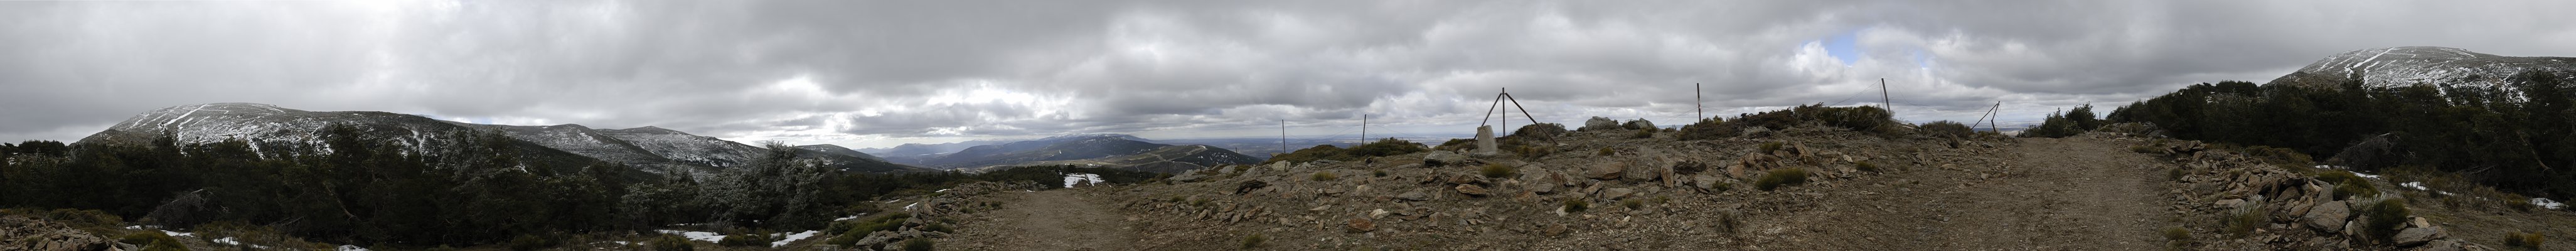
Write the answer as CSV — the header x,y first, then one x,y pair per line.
x,y
379,193
2059,125
2517,141
1381,148
1781,177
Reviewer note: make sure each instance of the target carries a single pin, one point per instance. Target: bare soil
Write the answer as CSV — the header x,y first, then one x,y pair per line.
x,y
1047,220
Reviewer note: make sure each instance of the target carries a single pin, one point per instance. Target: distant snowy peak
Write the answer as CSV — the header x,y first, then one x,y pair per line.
x,y
2423,65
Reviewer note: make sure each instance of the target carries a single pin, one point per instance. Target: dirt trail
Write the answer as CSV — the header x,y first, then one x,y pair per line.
x,y
2044,194
1050,220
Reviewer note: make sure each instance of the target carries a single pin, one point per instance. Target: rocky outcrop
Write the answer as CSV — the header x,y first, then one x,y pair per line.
x,y
22,233
1600,123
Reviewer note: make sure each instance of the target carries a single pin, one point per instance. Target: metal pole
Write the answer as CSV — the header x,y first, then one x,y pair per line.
x,y
1697,105
1283,138
1507,112
1883,102
1363,131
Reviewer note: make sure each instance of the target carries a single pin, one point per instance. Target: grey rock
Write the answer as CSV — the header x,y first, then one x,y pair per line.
x,y
2417,236
1606,170
1485,141
2328,216
1472,189
1600,123
1443,158
1616,193
1413,196
2444,245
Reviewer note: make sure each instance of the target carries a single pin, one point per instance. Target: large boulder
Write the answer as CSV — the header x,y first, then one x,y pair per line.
x,y
1606,170
1600,123
1485,141
2329,216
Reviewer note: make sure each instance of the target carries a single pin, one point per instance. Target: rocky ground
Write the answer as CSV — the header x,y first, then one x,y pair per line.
x,y
2100,191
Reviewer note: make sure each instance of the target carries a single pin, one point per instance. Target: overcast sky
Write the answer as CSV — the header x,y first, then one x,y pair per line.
x,y
879,73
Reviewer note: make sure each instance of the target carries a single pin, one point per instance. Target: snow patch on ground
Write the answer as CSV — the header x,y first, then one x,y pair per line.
x,y
695,235
2546,203
356,248
2365,175
794,238
852,217
177,234
227,241
940,191
1074,178
909,207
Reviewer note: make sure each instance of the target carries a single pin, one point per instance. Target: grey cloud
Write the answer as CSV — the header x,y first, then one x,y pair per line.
x,y
951,69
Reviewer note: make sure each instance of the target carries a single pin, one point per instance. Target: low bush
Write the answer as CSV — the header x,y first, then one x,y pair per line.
x,y
1605,151
1638,124
2385,216
1498,171
1949,129
1325,176
1632,203
1706,129
918,244
1781,177
2177,234
1865,166
1254,241
745,240
1576,205
1643,134
2524,241
1856,118
1539,131
527,242
1769,147
1379,173
2348,185
675,243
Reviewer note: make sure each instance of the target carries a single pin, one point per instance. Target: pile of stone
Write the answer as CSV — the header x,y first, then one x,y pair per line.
x,y
2220,182
25,233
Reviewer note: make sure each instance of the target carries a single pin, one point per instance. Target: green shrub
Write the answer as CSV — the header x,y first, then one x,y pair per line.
x,y
2174,173
1774,146
527,242
1539,131
1865,166
675,243
1254,241
937,227
745,240
2177,234
1605,151
1781,177
1325,176
1576,205
1706,129
1949,129
1856,118
1379,173
2057,125
1498,171
2385,217
1632,203
80,217
917,244
1643,133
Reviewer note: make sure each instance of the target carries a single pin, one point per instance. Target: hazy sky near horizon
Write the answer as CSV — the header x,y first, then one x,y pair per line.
x,y
879,73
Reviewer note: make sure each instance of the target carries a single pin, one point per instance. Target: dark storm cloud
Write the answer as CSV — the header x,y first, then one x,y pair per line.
x,y
864,73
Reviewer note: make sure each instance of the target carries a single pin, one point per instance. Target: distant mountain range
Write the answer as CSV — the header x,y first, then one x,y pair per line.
x,y
651,149
1102,150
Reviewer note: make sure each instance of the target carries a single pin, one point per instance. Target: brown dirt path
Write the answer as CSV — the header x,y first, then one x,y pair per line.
x,y
2038,194
1059,219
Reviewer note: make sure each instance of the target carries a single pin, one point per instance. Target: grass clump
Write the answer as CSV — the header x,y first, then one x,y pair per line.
x,y
1498,171
1781,177
2385,216
675,243
1577,205
1711,128
1325,176
1774,146
1865,166
1379,173
2243,220
918,244
2348,185
1254,241
2177,234
1605,151
1643,133
2523,241
851,231
1632,203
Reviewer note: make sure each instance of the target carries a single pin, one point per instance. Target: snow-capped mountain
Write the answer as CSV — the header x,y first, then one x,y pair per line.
x,y
651,149
2424,65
